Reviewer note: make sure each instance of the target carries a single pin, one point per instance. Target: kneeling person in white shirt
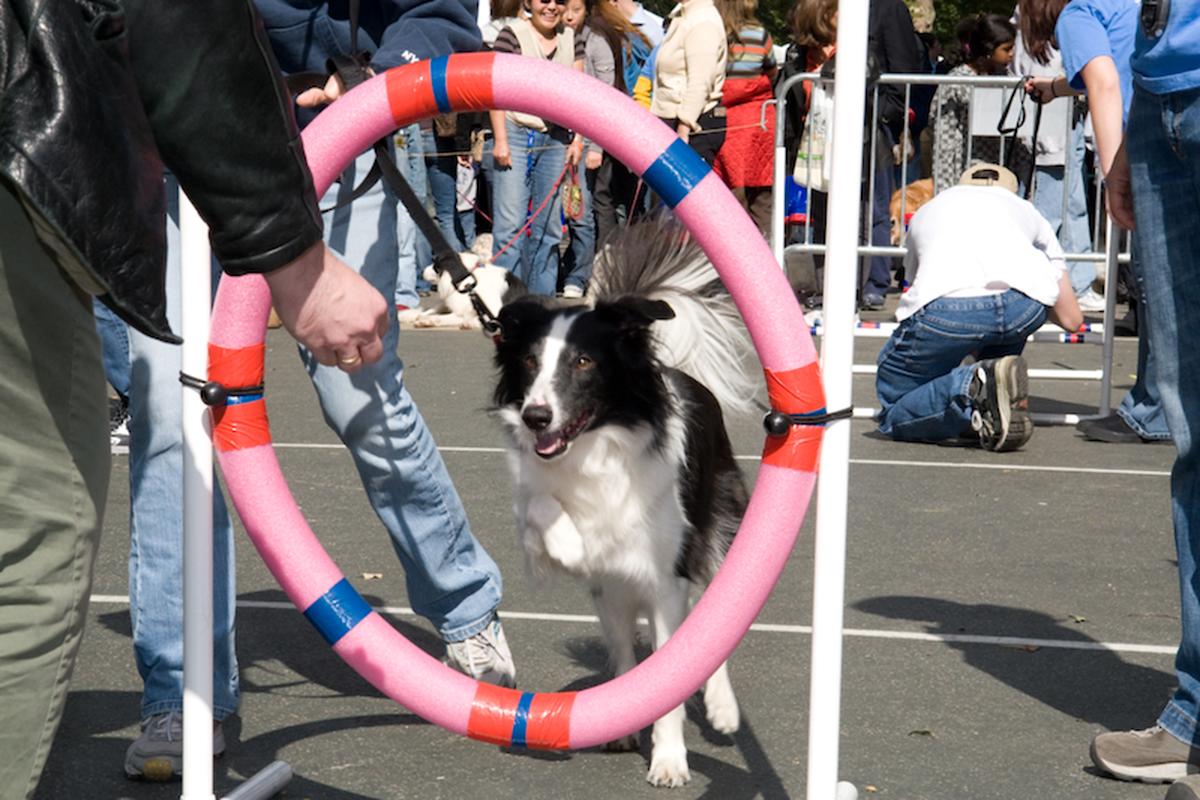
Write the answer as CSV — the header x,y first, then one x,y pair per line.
x,y
989,272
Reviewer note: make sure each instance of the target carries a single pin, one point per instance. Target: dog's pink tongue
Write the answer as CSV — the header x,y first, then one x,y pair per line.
x,y
548,444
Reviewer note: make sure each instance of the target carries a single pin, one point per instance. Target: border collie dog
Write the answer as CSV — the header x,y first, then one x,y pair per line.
x,y
624,475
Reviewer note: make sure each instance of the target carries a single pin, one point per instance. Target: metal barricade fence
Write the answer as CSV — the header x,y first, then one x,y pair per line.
x,y
990,113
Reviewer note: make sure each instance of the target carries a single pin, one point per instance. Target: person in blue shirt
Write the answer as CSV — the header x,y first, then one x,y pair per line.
x,y
1096,41
1153,186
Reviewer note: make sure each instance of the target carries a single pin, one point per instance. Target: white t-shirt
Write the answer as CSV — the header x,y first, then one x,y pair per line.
x,y
971,241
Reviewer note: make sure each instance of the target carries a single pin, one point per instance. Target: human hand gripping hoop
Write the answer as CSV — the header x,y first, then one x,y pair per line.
x,y
554,720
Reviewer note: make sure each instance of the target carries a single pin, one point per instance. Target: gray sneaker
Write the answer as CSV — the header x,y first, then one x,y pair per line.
x,y
1000,399
157,754
484,657
1149,756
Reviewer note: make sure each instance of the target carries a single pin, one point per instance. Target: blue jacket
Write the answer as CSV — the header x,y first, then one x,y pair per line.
x,y
306,33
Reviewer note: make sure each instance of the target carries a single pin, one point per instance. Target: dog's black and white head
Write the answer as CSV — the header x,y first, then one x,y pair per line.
x,y
565,371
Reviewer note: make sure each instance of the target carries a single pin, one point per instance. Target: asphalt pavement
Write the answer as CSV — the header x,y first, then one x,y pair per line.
x,y
1001,610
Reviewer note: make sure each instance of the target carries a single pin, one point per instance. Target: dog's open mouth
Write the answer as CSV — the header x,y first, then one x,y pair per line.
x,y
555,443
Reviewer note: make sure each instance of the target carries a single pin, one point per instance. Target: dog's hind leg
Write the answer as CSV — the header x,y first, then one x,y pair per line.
x,y
668,755
617,606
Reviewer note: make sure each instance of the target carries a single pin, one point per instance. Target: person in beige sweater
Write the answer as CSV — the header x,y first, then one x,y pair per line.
x,y
689,75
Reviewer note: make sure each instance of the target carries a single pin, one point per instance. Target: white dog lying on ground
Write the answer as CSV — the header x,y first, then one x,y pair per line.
x,y
454,309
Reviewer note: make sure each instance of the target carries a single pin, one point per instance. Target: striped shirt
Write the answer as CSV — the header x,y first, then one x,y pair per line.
x,y
751,55
506,42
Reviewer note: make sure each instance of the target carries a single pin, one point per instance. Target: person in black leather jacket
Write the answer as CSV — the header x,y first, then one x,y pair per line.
x,y
92,94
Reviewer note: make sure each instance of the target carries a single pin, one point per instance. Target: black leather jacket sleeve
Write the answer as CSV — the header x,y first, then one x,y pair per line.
x,y
224,124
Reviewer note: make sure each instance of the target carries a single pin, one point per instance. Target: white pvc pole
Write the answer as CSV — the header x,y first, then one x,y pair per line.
x,y
196,289
266,783
841,278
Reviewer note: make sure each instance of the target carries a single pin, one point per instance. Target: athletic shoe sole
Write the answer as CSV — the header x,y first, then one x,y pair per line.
x,y
1008,396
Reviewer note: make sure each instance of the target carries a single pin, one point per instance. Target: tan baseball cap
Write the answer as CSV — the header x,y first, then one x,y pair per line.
x,y
989,175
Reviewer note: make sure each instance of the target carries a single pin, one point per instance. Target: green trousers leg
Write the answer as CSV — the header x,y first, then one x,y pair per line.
x,y
54,468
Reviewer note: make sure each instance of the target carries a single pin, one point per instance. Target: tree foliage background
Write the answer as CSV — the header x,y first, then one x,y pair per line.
x,y
773,14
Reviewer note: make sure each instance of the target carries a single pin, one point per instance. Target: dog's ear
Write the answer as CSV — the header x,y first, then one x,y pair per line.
x,y
634,313
519,316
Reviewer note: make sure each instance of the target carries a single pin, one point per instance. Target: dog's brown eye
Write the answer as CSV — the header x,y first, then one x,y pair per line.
x,y
530,362
584,362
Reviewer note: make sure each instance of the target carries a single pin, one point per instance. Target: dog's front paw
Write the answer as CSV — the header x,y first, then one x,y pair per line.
x,y
560,538
668,767
626,744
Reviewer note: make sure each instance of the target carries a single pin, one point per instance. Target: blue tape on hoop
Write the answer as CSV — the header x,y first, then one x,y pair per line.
x,y
238,399
437,77
676,172
521,719
335,613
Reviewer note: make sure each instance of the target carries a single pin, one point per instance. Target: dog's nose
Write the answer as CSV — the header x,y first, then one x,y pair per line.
x,y
537,418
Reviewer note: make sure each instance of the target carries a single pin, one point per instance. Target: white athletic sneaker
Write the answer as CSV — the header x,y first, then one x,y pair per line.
x,y
1090,301
572,292
157,754
484,657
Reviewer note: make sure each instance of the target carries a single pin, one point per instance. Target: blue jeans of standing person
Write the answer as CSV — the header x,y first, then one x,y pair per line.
x,y
1162,140
156,516
1073,233
923,387
410,259
537,162
579,257
1141,408
451,580
457,226
879,268
114,335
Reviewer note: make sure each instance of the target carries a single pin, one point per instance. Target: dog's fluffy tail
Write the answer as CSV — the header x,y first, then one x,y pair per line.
x,y
707,338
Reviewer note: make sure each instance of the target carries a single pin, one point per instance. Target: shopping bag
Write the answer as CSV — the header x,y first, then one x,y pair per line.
x,y
813,168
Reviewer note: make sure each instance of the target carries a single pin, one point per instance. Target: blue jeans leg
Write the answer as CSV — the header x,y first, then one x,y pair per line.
x,y
443,177
1073,233
1141,407
451,579
156,520
408,239
583,237
923,391
537,161
1163,144
114,347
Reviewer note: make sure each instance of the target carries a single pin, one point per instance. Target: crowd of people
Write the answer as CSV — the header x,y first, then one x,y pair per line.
x,y
706,71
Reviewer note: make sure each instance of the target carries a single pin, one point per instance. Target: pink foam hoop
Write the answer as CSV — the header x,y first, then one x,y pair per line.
x,y
781,493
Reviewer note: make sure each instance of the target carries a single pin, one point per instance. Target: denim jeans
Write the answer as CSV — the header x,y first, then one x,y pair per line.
x,y
923,388
1141,407
537,161
156,519
878,277
409,257
451,580
114,334
579,257
1163,143
1074,234
457,226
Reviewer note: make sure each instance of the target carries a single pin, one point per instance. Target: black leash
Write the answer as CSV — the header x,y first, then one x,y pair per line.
x,y
353,70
